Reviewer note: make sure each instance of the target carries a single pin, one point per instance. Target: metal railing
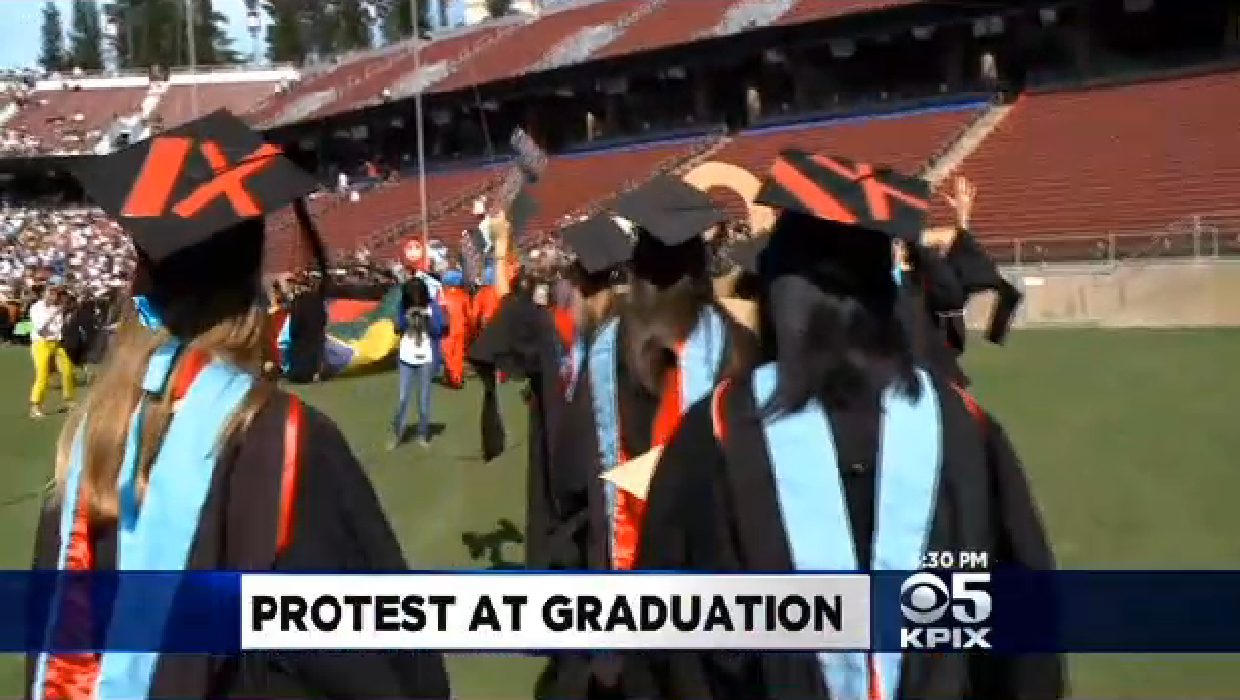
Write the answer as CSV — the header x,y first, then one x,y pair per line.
x,y
1197,237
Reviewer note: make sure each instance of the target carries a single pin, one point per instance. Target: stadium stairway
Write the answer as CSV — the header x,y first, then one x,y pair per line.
x,y
415,78
941,165
526,47
749,14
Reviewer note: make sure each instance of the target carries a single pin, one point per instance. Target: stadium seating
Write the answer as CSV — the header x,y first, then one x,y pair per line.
x,y
902,141
177,105
815,10
366,88
63,120
1110,159
672,23
326,79
517,52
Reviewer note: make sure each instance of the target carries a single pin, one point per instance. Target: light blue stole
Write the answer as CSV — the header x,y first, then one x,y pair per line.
x,y
158,535
284,341
571,366
803,458
700,360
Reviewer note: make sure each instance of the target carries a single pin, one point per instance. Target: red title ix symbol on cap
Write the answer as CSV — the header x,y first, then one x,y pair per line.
x,y
878,194
162,169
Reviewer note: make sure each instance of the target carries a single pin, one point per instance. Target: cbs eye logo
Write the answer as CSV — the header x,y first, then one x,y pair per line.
x,y
924,598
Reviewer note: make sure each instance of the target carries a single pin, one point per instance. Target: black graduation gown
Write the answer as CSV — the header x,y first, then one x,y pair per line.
x,y
80,330
337,524
521,341
714,508
307,325
577,513
933,300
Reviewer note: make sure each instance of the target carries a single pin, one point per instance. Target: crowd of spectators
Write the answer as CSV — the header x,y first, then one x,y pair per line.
x,y
80,249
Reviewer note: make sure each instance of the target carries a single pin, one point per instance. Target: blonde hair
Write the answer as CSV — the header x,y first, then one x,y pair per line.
x,y
235,336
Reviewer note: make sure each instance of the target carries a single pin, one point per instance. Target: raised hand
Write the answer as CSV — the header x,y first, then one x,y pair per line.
x,y
962,201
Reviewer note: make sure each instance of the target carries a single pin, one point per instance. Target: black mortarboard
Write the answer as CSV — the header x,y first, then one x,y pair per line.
x,y
746,252
599,242
669,209
978,272
199,189
847,192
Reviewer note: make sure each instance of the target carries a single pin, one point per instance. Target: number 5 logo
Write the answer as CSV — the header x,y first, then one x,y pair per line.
x,y
969,604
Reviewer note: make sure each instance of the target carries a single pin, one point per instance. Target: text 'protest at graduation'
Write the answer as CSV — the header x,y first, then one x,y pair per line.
x,y
498,611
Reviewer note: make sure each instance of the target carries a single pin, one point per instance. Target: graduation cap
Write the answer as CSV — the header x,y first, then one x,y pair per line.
x,y
669,209
193,197
600,243
837,223
848,192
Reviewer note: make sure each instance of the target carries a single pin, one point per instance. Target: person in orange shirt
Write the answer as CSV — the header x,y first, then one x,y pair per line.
x,y
457,303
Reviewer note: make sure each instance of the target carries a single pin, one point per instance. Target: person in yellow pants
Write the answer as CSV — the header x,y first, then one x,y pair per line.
x,y
47,320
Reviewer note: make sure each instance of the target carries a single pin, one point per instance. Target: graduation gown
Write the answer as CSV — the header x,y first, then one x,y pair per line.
x,y
578,519
717,508
521,341
307,326
336,524
933,309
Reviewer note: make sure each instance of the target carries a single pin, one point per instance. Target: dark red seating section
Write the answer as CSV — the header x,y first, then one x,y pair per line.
x,y
525,46
177,105
50,115
367,88
672,23
903,142
814,10
1110,160
569,184
327,78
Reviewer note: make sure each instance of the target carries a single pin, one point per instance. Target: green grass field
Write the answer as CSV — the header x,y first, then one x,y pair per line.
x,y
1127,437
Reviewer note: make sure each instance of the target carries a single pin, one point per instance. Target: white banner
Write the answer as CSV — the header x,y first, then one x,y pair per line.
x,y
512,612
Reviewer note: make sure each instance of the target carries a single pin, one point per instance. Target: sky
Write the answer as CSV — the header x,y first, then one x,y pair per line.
x,y
21,20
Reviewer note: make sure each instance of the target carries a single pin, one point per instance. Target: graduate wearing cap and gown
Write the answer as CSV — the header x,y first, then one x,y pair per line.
x,y
947,269
663,350
183,458
521,342
840,454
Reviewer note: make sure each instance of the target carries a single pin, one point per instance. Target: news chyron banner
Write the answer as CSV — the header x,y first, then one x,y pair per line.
x,y
935,610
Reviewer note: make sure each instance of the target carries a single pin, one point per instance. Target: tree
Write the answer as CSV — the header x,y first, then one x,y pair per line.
x,y
152,33
86,39
286,35
52,55
397,16
212,45
351,18
498,8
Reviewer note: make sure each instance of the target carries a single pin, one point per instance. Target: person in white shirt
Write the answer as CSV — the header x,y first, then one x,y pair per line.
x,y
47,320
421,325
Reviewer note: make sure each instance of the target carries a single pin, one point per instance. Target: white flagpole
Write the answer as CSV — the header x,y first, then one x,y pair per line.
x,y
417,103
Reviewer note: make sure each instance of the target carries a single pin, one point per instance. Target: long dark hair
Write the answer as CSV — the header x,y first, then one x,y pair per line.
x,y
829,341
417,300
669,289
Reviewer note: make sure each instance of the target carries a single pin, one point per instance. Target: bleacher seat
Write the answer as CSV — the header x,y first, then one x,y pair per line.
x,y
1120,159
902,141
52,114
671,23
816,10
522,48
177,105
366,88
